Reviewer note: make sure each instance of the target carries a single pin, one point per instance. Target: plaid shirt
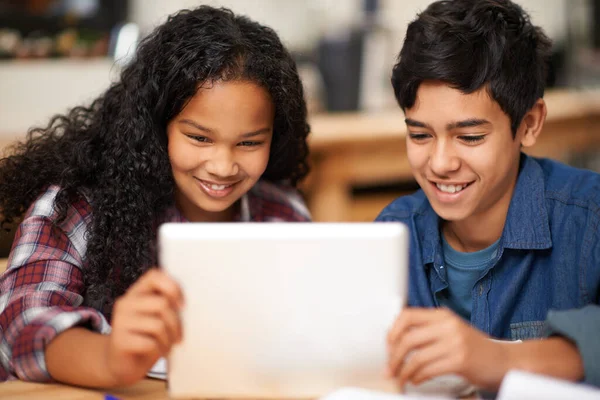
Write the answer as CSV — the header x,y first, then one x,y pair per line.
x,y
41,292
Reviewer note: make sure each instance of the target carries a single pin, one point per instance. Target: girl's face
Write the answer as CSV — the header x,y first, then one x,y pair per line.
x,y
219,147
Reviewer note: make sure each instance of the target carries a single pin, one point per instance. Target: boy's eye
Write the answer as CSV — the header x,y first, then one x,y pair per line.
x,y
198,138
249,143
418,137
472,139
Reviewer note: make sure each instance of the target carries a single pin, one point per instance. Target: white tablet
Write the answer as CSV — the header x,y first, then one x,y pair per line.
x,y
284,309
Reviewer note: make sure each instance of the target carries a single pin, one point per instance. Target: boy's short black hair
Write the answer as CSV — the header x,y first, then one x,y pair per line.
x,y
474,43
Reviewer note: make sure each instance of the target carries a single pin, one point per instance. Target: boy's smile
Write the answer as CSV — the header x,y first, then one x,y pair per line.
x,y
449,192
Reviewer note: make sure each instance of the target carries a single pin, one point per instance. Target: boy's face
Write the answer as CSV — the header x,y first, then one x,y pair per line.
x,y
462,151
219,147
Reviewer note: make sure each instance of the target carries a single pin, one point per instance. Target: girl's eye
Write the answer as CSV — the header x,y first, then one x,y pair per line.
x,y
418,137
249,143
201,139
472,139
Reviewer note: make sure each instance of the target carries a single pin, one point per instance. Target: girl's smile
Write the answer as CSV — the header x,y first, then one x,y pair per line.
x,y
216,190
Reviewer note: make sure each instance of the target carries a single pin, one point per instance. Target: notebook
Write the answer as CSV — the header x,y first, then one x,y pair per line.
x,y
525,385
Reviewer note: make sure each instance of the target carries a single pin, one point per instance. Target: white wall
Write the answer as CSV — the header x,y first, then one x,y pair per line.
x,y
299,22
32,91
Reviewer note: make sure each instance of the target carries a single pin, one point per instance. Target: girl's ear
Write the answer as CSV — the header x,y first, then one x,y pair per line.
x,y
532,123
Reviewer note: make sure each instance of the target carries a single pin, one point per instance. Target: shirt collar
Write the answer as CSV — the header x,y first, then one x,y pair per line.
x,y
431,233
527,224
243,214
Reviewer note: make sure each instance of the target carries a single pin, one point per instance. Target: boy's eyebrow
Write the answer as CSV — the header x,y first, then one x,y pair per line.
x,y
208,130
467,123
416,124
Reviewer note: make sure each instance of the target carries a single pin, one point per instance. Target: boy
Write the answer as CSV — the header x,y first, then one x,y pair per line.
x,y
503,245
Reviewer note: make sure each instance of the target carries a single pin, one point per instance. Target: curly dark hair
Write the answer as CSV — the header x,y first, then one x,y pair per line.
x,y
115,151
470,44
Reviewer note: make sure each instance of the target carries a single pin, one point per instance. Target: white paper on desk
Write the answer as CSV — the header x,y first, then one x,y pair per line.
x,y
158,370
518,385
351,393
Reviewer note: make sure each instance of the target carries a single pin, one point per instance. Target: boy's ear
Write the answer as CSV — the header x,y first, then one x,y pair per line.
x,y
532,123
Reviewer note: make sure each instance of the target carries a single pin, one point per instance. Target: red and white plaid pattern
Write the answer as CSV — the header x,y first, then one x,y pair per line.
x,y
42,290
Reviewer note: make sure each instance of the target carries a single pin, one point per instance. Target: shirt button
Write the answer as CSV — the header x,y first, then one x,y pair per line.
x,y
480,289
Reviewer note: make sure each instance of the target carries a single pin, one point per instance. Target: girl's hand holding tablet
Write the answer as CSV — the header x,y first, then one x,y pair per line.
x,y
145,326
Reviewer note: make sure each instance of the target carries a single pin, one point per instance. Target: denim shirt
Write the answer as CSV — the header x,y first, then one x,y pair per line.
x,y
548,256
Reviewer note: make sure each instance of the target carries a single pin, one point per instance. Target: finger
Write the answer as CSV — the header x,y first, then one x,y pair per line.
x,y
157,281
422,359
412,317
402,323
152,327
159,306
442,366
414,339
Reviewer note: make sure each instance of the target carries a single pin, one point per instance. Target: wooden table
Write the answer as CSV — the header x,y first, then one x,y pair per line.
x,y
350,149
147,389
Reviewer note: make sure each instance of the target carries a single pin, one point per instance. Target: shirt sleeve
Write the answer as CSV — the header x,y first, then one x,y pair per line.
x,y
582,327
41,294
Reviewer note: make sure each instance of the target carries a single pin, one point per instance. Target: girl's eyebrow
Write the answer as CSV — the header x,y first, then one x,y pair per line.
x,y
256,133
195,125
208,130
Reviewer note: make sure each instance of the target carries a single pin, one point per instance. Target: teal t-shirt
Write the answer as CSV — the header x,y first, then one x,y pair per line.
x,y
463,271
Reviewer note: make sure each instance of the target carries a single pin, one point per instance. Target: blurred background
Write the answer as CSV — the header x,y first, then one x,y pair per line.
x,y
55,54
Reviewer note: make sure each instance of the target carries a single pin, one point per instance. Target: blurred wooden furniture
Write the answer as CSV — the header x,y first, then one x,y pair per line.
x,y
147,389
6,141
3,264
353,149
350,149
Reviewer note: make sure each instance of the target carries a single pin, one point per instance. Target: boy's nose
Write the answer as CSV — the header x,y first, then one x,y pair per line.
x,y
443,159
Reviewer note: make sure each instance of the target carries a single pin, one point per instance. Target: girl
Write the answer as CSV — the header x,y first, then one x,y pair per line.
x,y
208,123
